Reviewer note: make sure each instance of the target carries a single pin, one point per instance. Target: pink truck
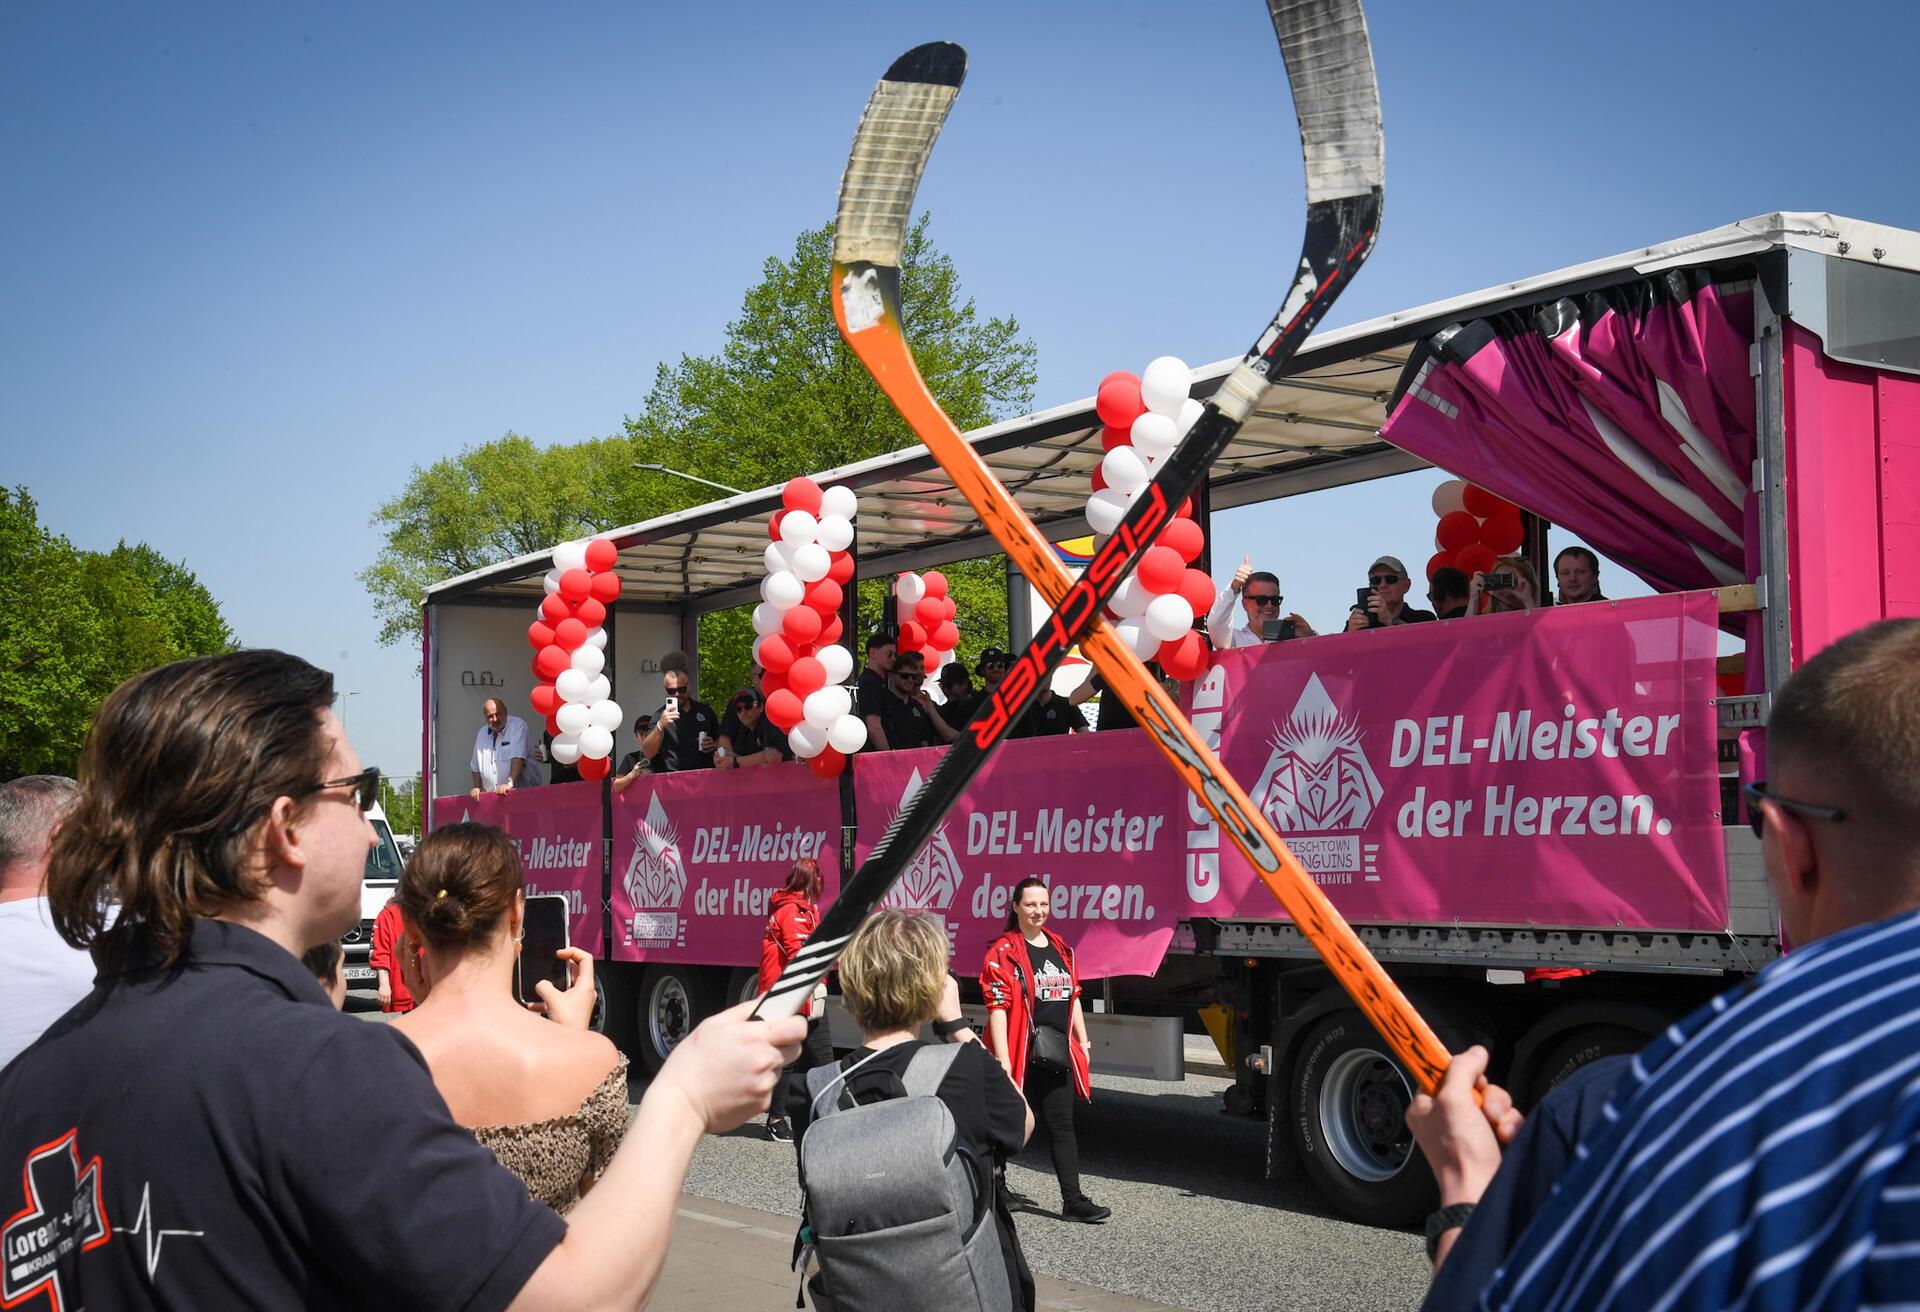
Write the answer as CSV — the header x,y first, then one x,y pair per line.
x,y
1532,817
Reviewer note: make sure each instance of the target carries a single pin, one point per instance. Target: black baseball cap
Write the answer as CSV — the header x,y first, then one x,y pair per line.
x,y
992,656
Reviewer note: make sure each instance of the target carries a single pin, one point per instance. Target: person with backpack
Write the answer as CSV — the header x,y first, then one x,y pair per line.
x,y
897,1157
1035,1028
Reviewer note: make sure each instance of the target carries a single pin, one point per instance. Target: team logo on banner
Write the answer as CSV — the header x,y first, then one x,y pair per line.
x,y
1318,781
656,880
933,876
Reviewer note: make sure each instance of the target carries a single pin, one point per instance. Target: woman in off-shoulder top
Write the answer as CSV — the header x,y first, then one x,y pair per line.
x,y
549,1099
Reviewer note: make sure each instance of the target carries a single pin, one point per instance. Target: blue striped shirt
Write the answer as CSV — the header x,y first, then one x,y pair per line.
x,y
1763,1153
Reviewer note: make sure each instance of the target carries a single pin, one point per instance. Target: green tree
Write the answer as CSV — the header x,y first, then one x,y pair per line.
x,y
400,799
74,624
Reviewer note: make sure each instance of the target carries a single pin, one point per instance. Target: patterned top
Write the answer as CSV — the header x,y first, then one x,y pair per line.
x,y
555,1156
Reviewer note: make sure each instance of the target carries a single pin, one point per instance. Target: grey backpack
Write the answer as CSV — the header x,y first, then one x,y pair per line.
x,y
900,1211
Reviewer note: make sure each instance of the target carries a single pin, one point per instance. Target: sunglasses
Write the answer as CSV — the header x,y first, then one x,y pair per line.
x,y
366,786
1264,598
1756,793
1382,580
745,703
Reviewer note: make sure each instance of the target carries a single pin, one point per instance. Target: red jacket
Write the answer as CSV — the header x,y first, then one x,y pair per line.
x,y
792,920
388,929
1006,979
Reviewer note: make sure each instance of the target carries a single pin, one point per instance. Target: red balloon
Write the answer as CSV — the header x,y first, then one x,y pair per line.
x,y
590,613
576,585
801,494
1475,559
1118,401
773,525
1099,479
807,677
553,725
601,555
1185,537
1502,534
1161,570
540,634
1184,657
936,583
828,764
593,767
568,634
830,632
772,681
801,624
1186,509
825,596
1113,437
1456,529
551,661
605,588
554,608
545,699
1439,561
913,636
929,611
1197,587
953,608
1483,504
776,653
784,709
840,570
945,636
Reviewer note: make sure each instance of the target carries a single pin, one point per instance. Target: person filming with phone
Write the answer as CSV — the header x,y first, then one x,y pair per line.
x,y
1258,593
685,731
1383,602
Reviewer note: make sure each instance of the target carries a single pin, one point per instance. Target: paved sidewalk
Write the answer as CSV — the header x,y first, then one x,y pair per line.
x,y
735,1258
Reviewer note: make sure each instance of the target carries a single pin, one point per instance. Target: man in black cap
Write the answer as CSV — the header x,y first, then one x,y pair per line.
x,y
1050,715
957,687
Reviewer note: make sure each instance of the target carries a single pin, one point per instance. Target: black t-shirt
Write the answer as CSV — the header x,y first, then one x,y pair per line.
x,y
904,722
1052,988
627,763
680,741
1050,716
1408,615
745,740
959,710
287,1155
870,697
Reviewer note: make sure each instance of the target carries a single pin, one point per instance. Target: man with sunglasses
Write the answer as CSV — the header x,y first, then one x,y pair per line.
x,y
746,739
1386,604
1765,1151
683,732
1258,593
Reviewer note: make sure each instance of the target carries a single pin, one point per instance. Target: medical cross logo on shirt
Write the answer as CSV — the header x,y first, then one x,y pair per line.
x,y
65,1213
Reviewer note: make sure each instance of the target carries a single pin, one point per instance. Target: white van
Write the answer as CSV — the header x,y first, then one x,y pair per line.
x,y
382,873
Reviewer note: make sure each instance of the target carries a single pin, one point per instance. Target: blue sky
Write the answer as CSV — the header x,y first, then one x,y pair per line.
x,y
262,260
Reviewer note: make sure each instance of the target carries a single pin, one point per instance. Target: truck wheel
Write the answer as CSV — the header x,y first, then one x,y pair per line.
x,y
1350,1105
742,986
673,999
1578,1048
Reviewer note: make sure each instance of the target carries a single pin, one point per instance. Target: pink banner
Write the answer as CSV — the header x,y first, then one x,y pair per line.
x,y
1099,817
1553,769
697,855
558,831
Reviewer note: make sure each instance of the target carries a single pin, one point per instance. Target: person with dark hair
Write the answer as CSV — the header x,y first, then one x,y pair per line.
x,y
746,738
1449,591
1764,1151
1037,1031
795,914
40,976
1577,571
323,963
872,695
1258,594
956,685
682,736
292,1156
634,763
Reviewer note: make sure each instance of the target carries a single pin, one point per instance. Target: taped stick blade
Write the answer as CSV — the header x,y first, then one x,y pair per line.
x,y
1336,96
890,149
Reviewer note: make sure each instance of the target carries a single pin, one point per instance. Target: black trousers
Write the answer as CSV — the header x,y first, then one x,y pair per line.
x,y
790,1096
1052,1099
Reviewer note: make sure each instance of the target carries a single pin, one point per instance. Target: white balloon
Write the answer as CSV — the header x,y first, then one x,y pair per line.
x,y
1105,509
798,527
806,740
1136,494
1164,384
597,638
572,717
572,685
826,705
589,659
1154,435
596,743
778,556
599,688
848,734
839,502
836,532
766,619
565,748
607,714
570,555
551,582
838,662
1168,616
784,590
1190,412
811,562
1134,634
1129,600
1450,496
1123,469
910,588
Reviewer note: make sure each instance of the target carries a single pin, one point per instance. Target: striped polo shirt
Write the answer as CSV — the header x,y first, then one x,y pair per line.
x,y
1763,1153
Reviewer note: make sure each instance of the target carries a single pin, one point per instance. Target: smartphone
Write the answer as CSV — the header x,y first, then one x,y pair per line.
x,y
673,704
1504,579
545,926
1360,597
1279,631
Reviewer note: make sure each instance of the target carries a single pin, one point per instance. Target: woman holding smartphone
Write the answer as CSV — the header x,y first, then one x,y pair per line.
x,y
549,1099
1036,1030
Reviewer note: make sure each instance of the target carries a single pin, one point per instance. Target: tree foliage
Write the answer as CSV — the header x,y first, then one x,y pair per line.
x,y
75,624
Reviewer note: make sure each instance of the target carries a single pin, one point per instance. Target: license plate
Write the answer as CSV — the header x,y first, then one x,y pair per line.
x,y
360,975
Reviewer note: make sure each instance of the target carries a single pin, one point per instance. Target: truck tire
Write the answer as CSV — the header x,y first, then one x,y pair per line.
x,y
673,999
1577,1048
1350,1104
742,986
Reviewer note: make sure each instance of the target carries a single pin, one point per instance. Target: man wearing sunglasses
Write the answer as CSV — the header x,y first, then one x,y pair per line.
x,y
746,739
1386,603
1764,1151
1258,594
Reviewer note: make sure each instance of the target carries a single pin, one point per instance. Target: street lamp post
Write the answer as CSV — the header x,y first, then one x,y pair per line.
x,y
343,708
691,478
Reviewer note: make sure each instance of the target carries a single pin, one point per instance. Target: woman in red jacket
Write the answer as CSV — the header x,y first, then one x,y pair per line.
x,y
795,913
1033,1008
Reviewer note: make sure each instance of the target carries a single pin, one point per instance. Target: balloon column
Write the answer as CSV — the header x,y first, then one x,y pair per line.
x,y
1145,416
809,564
1476,528
574,695
926,614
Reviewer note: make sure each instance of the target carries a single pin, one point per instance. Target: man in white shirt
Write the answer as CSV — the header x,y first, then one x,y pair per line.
x,y
40,975
499,751
1258,593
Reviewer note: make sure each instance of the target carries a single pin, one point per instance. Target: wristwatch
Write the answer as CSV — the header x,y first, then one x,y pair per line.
x,y
946,1029
1447,1218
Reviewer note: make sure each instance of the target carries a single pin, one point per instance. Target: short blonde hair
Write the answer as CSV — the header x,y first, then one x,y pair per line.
x,y
892,973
